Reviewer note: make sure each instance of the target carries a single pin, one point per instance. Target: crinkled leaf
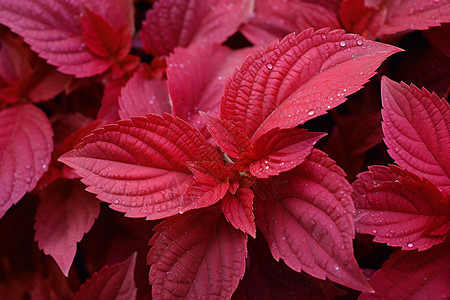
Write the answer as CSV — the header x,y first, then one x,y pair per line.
x,y
14,57
280,150
305,216
173,23
299,78
238,210
54,31
196,255
400,208
139,165
373,19
210,184
271,21
111,282
413,275
25,150
64,214
231,140
142,95
196,77
416,126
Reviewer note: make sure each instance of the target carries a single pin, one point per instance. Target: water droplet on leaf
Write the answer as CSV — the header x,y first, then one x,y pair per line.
x,y
269,66
342,43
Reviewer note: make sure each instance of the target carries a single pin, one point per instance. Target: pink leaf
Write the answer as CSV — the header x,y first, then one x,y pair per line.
x,y
142,95
196,77
417,130
54,31
305,216
299,78
272,21
400,208
173,23
196,255
413,275
373,19
280,150
231,141
238,210
139,165
25,151
210,184
102,39
114,282
64,214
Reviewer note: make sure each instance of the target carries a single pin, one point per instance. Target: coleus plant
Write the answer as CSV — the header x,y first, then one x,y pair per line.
x,y
264,172
216,159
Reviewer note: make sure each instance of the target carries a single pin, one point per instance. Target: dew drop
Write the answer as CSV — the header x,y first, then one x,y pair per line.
x,y
44,166
410,245
133,204
436,1
336,268
324,36
374,231
267,167
28,179
342,43
311,112
359,42
116,201
269,66
425,278
27,167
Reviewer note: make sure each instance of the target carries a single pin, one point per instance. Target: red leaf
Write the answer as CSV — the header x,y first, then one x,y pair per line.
x,y
66,212
238,210
173,23
280,150
196,255
102,39
272,21
25,151
417,130
142,95
373,19
14,57
53,30
413,275
438,37
400,208
231,141
114,282
210,184
139,165
305,216
299,78
196,77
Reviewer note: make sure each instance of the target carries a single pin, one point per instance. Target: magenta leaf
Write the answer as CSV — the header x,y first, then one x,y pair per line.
x,y
280,150
53,29
274,21
196,78
196,255
231,140
142,95
102,39
210,184
400,208
299,78
173,23
417,131
373,19
139,165
305,216
64,214
111,282
314,201
25,150
238,210
413,275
